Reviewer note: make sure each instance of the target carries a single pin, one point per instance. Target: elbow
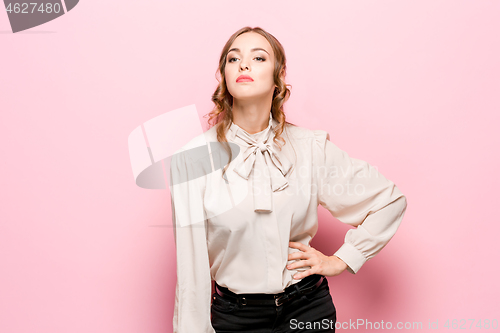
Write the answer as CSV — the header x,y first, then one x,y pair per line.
x,y
399,201
404,203
400,206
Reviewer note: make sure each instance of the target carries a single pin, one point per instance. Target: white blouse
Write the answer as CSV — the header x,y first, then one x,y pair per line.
x,y
236,230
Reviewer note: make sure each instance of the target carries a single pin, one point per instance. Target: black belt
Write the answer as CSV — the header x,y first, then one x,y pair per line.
x,y
304,286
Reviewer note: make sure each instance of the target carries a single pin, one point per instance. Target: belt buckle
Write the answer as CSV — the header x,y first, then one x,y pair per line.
x,y
277,299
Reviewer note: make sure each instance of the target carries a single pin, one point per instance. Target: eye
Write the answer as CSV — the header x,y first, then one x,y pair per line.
x,y
232,58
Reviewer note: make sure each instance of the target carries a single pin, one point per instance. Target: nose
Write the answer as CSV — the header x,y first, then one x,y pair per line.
x,y
243,66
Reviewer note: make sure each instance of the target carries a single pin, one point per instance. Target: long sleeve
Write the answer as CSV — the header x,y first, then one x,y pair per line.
x,y
355,193
193,288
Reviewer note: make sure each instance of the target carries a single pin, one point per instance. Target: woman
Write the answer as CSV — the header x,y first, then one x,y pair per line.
x,y
245,220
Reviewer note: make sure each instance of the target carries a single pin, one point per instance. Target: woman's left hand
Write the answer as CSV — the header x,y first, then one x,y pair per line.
x,y
320,264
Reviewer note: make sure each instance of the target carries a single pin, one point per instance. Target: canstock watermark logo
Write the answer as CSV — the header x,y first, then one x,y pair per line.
x,y
28,14
168,139
158,148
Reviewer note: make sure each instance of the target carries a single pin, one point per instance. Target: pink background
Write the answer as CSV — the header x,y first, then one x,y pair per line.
x,y
412,87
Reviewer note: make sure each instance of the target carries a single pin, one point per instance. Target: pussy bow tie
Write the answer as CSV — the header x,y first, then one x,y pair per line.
x,y
269,169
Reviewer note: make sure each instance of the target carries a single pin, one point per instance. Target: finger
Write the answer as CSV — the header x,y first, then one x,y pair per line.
x,y
300,263
299,246
296,255
300,255
303,274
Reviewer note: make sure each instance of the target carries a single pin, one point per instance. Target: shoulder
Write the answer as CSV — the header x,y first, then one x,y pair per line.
x,y
303,133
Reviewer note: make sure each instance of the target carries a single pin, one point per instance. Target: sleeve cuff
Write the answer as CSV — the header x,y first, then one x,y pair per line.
x,y
351,256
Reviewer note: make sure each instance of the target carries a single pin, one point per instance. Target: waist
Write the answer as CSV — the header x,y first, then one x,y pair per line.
x,y
304,286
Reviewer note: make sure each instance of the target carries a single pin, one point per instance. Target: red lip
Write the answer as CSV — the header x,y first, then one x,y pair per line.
x,y
244,78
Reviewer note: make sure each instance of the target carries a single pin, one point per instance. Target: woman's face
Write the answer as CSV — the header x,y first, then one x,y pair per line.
x,y
250,55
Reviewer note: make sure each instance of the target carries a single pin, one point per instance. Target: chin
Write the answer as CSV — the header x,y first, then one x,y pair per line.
x,y
244,95
250,94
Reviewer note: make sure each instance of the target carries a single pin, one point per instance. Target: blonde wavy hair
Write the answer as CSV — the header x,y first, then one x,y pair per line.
x,y
222,114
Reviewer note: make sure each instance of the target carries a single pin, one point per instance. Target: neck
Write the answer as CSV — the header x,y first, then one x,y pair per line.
x,y
253,118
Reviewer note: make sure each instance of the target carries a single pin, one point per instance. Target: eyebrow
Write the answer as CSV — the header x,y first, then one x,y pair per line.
x,y
252,50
